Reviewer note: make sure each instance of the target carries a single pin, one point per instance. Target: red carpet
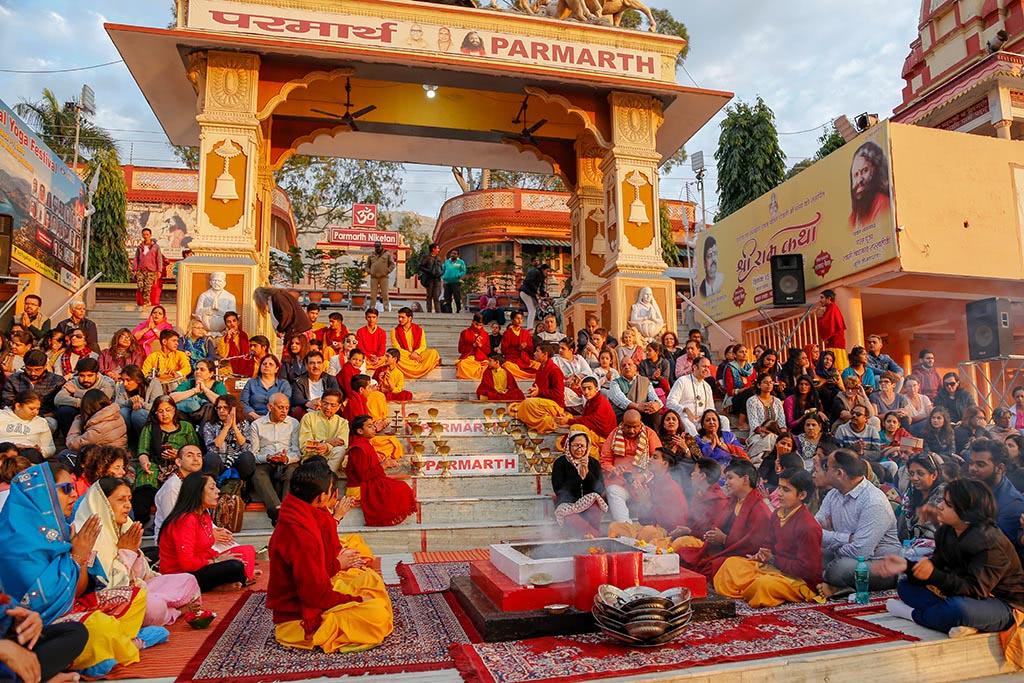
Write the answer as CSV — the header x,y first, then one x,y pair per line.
x,y
244,650
452,556
591,656
429,577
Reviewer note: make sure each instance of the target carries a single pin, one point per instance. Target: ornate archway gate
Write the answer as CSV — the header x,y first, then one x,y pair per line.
x,y
252,83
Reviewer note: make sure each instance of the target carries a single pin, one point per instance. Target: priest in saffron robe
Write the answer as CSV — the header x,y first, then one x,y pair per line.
x,y
748,528
517,347
390,380
385,501
832,328
417,360
547,395
474,347
788,569
497,384
372,340
598,419
349,370
321,591
366,400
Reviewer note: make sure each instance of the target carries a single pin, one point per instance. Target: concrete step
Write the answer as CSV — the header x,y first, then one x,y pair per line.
x,y
461,485
463,443
479,508
450,409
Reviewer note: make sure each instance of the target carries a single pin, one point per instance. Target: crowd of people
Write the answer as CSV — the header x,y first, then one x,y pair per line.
x,y
110,446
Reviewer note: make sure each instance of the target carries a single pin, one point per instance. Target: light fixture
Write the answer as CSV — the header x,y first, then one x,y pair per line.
x,y
431,91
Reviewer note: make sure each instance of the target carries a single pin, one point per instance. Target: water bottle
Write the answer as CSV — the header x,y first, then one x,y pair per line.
x,y
860,580
908,555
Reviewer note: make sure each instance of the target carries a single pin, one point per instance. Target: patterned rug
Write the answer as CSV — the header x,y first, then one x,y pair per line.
x,y
244,649
875,605
591,656
452,556
430,577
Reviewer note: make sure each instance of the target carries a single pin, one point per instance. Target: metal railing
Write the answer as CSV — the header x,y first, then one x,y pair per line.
x,y
796,330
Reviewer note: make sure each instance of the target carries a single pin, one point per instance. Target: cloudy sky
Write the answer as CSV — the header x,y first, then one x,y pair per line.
x,y
810,60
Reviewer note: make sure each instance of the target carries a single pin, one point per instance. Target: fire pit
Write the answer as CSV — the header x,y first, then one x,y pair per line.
x,y
552,561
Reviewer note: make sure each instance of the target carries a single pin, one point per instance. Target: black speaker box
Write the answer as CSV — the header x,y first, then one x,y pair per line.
x,y
788,280
989,328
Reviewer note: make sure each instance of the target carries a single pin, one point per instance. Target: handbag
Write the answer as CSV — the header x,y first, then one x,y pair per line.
x,y
230,506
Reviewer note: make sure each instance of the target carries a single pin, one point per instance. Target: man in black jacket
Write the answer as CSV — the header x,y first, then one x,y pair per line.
x,y
429,274
531,290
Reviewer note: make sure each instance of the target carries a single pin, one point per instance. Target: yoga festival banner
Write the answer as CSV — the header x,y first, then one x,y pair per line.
x,y
838,213
46,200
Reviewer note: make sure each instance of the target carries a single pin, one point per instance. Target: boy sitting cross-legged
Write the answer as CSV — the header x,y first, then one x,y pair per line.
x,y
320,591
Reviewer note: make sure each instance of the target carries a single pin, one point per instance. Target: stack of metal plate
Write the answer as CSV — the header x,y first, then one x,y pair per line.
x,y
642,616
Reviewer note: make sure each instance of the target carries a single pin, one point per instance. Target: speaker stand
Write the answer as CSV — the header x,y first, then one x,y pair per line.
x,y
993,379
779,329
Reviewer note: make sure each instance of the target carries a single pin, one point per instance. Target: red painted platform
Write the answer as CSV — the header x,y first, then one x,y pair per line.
x,y
509,596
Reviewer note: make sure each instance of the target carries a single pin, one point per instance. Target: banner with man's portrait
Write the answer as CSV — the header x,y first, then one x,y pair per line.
x,y
838,213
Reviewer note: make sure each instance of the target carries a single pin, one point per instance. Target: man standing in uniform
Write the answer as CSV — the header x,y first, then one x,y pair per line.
x,y
379,265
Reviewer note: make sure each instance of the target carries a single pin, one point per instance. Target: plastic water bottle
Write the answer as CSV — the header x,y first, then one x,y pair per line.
x,y
860,580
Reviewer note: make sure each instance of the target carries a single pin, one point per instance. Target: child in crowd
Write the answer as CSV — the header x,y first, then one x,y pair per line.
x,y
497,384
390,379
321,591
385,501
709,508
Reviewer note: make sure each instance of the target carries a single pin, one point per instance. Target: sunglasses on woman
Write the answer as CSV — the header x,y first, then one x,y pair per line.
x,y
67,488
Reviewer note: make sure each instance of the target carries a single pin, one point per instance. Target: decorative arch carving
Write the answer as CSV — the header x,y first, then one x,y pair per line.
x,y
296,83
276,164
574,110
562,164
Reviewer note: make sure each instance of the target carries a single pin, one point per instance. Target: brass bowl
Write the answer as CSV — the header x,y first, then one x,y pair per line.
x,y
557,608
412,417
433,412
488,412
645,630
500,412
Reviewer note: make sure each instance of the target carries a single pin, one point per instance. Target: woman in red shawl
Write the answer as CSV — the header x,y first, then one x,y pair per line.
x,y
385,501
517,347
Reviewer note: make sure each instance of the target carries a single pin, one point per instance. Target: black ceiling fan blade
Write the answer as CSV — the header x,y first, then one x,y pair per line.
x,y
364,111
351,124
537,126
327,113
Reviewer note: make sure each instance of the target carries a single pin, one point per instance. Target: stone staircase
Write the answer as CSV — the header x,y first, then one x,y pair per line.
x,y
112,316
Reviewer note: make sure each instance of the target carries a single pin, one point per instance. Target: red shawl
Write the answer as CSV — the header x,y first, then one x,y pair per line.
x,y
550,382
518,349
832,328
467,347
403,340
240,347
666,505
344,377
334,339
598,416
385,501
746,533
372,343
487,390
797,546
711,509
354,407
303,559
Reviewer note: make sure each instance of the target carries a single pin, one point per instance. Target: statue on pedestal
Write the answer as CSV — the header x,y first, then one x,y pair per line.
x,y
214,303
645,315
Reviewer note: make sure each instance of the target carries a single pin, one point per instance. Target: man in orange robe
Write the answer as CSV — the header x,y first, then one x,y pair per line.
x,y
474,348
417,360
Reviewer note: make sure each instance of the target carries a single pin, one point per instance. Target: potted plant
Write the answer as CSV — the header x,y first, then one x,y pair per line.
x,y
353,277
315,271
335,277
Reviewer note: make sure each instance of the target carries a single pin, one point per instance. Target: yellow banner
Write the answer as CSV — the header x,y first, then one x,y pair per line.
x,y
838,213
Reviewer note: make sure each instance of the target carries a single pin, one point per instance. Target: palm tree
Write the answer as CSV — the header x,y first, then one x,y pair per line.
x,y
55,124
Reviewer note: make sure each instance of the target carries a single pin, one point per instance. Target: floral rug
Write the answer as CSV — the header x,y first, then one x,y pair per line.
x,y
592,656
244,649
431,577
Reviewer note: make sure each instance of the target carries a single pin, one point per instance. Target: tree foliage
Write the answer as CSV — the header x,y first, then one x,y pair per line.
x,y
750,160
472,179
109,232
829,142
669,249
188,156
667,25
322,190
56,126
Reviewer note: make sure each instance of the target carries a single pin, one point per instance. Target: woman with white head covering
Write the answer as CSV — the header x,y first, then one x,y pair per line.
x,y
579,487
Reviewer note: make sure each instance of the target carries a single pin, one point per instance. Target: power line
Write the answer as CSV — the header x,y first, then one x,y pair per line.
x,y
60,71
799,132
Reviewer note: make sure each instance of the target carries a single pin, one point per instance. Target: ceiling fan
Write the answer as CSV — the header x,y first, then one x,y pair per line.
x,y
526,135
349,117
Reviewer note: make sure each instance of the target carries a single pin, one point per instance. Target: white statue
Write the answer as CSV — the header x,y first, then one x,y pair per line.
x,y
214,303
645,315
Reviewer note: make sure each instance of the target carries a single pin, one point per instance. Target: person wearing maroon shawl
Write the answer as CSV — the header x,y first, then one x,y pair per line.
x,y
661,502
234,343
474,348
547,395
320,591
333,336
598,414
748,528
348,371
385,501
709,509
517,346
389,378
497,384
372,340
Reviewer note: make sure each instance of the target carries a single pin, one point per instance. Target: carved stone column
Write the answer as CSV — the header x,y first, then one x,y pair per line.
x,y
233,212
632,213
589,244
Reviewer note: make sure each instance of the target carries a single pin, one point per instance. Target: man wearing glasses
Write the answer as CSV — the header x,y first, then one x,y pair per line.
x,y
36,378
953,397
862,438
324,432
988,462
